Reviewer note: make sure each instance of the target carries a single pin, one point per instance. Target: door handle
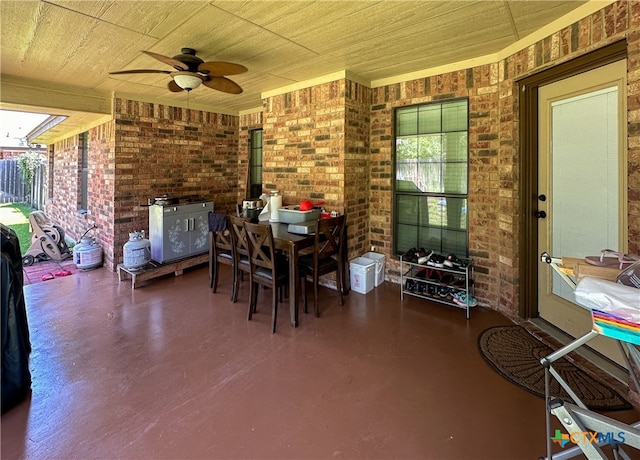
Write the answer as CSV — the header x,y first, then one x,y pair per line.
x,y
540,214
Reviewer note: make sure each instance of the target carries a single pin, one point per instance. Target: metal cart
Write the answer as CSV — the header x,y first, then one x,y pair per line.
x,y
587,429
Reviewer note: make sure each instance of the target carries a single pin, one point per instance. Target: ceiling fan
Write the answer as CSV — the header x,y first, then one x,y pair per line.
x,y
191,71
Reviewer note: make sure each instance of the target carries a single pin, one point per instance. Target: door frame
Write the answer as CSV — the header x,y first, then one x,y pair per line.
x,y
527,88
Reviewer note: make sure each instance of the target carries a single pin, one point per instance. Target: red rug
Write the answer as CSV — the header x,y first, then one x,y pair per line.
x,y
48,271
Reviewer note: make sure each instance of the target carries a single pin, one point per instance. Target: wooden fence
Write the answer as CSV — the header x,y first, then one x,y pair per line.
x,y
13,188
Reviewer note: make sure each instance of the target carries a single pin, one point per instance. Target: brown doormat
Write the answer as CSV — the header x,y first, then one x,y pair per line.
x,y
515,354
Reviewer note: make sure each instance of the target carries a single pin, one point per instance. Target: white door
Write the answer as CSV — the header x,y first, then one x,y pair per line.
x,y
582,171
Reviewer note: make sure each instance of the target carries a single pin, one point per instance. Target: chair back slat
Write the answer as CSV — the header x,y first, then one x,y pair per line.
x,y
239,235
329,237
261,249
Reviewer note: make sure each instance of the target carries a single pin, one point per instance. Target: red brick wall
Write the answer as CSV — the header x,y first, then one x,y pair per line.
x,y
148,150
303,144
363,216
63,205
180,152
64,194
101,190
494,160
633,107
316,146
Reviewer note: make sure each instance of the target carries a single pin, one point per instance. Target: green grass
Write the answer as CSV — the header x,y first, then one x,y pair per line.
x,y
16,216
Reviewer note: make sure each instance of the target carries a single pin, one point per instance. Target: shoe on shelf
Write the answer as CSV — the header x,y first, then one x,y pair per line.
x,y
423,255
452,261
411,256
447,278
463,299
436,260
421,273
434,275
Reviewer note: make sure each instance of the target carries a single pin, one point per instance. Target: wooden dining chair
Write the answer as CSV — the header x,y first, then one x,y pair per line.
x,y
221,250
327,256
241,253
268,268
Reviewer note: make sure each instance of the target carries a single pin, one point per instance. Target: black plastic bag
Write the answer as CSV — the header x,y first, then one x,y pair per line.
x,y
16,345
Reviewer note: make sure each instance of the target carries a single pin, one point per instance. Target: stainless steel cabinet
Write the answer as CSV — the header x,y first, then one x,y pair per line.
x,y
179,231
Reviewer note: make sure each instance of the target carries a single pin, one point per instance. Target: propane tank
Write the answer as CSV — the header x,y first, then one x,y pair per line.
x,y
137,251
87,253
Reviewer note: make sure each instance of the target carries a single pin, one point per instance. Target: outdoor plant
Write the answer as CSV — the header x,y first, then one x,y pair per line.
x,y
28,162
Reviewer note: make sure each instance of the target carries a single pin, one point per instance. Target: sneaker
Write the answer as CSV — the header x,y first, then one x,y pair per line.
x,y
436,260
434,275
423,255
444,292
446,278
410,286
410,256
452,261
462,299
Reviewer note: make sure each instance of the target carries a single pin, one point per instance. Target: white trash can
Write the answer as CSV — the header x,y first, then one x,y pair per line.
x,y
362,274
380,261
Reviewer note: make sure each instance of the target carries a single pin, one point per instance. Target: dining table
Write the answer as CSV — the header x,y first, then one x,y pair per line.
x,y
292,244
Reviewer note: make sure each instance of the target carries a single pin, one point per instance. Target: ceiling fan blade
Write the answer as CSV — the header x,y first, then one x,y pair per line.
x,y
167,60
223,84
173,87
139,71
220,68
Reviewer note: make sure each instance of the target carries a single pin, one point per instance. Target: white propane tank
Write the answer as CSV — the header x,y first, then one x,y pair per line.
x,y
87,253
137,251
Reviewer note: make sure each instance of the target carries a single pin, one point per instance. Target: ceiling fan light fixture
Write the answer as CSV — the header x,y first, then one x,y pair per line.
x,y
190,72
187,80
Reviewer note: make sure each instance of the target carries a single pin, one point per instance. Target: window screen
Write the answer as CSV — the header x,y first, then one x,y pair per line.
x,y
431,177
255,164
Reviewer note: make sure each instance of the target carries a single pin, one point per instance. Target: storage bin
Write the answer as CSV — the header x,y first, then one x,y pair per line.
x,y
363,272
380,261
292,214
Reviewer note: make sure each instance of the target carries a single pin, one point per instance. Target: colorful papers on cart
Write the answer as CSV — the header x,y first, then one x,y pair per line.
x,y
615,308
616,328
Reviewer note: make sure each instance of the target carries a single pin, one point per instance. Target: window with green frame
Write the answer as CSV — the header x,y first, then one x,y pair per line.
x,y
431,177
255,163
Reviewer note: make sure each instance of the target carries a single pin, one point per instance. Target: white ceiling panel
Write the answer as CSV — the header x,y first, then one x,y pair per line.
x,y
77,43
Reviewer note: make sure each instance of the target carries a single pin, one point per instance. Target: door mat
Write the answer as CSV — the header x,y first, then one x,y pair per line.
x,y
515,354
